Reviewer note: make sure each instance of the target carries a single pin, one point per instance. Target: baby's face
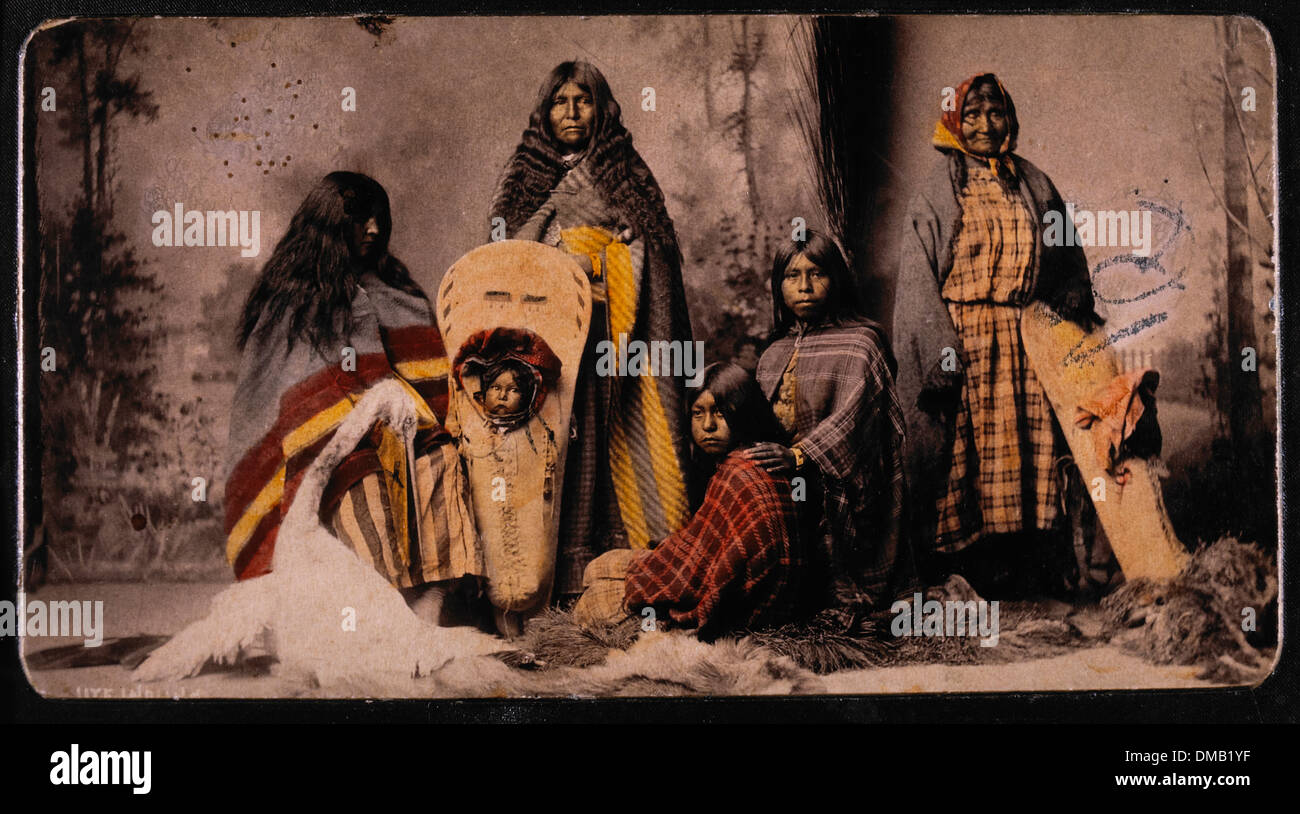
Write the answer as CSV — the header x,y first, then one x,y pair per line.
x,y
503,396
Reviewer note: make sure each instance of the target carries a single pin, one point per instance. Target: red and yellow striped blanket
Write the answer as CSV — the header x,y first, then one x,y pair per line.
x,y
289,402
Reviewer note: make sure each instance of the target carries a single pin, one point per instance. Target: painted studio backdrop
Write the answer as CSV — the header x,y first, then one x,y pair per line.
x,y
1166,121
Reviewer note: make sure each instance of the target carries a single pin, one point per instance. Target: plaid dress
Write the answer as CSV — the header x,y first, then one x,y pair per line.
x,y
1000,479
848,423
734,565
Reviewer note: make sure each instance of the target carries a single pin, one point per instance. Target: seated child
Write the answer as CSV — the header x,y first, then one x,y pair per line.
x,y
737,563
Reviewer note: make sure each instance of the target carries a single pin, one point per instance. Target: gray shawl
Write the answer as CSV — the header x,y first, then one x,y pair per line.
x,y
922,327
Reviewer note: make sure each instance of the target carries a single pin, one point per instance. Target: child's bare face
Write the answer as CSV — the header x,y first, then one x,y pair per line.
x,y
709,426
503,396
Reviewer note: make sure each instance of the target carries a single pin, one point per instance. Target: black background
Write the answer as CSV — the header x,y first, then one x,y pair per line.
x,y
1005,761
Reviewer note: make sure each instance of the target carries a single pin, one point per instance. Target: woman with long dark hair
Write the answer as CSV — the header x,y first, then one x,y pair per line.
x,y
340,232
575,181
332,314
829,376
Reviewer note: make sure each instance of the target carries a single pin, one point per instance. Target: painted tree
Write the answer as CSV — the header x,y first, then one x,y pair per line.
x,y
1241,184
746,52
723,218
101,93
745,182
744,241
1239,344
96,298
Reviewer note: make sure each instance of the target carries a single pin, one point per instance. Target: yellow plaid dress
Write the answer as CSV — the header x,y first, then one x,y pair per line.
x,y
1003,442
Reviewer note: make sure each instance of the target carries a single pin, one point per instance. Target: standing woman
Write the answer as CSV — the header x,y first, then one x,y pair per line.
x,y
982,436
332,314
829,376
575,181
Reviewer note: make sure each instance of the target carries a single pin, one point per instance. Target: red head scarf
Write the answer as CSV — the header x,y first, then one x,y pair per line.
x,y
488,347
948,135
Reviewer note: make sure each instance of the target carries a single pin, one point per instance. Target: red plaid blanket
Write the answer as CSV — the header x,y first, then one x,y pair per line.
x,y
734,565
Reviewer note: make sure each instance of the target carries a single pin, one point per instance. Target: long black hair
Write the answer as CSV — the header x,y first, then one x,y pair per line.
x,y
312,274
589,78
617,170
742,403
842,305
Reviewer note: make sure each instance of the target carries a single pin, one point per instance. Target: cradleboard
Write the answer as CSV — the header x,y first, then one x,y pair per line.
x,y
535,301
1072,365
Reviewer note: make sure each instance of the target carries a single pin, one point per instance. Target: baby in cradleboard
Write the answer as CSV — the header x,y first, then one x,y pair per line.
x,y
509,372
511,454
507,390
517,314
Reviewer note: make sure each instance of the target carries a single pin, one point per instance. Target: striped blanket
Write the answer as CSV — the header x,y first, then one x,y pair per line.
x,y
288,404
624,480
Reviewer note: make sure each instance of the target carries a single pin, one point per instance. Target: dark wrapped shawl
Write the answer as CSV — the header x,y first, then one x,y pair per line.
x,y
849,425
619,174
628,194
922,325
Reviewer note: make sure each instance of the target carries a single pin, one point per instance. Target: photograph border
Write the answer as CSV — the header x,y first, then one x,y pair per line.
x,y
1274,700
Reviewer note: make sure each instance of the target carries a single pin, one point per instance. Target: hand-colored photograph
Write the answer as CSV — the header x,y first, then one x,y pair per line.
x,y
628,356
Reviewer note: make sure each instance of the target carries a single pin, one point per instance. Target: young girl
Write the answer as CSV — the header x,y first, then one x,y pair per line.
x,y
737,563
829,375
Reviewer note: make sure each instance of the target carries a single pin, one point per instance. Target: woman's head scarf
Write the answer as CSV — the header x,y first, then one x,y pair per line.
x,y
948,136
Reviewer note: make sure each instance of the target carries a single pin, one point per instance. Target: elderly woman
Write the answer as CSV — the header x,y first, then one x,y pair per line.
x,y
331,315
982,438
575,181
829,376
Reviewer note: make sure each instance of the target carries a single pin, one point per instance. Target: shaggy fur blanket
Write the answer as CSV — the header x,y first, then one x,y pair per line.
x,y
292,616
1219,613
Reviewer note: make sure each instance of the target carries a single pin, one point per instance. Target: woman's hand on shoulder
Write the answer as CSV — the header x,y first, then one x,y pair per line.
x,y
772,456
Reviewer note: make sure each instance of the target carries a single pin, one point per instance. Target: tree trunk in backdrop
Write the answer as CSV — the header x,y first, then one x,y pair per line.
x,y
1244,397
